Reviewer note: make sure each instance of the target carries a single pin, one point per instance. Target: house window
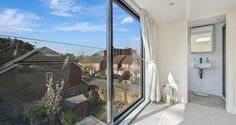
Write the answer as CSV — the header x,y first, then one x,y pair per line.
x,y
49,77
72,91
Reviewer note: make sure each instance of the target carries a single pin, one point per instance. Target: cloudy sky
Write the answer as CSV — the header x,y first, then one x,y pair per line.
x,y
70,21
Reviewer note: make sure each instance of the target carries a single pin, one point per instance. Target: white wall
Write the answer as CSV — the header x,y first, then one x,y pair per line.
x,y
212,78
171,55
231,60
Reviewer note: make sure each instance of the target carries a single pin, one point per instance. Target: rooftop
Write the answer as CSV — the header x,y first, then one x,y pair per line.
x,y
72,101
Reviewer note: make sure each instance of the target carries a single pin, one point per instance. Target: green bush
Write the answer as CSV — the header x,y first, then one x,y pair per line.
x,y
35,111
92,99
116,76
86,73
5,123
102,74
70,119
126,75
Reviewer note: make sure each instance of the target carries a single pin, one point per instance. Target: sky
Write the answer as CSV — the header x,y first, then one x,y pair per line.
x,y
80,22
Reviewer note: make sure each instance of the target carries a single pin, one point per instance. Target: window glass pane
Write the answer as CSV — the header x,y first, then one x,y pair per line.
x,y
52,62
126,59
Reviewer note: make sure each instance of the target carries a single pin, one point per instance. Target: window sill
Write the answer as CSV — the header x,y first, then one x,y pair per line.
x,y
134,113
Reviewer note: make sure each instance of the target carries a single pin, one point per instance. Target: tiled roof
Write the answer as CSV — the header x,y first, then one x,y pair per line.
x,y
13,63
96,59
118,59
72,101
92,59
130,59
38,55
47,55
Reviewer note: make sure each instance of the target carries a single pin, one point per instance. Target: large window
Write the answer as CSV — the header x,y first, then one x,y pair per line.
x,y
53,62
127,60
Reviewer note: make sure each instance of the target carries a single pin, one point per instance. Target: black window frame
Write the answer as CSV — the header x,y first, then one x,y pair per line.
x,y
121,115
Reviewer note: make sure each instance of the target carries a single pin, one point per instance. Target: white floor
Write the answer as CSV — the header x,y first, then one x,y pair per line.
x,y
183,114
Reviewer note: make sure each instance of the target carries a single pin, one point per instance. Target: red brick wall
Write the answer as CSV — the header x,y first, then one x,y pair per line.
x,y
75,75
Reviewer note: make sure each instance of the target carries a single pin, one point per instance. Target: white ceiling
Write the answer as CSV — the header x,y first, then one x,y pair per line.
x,y
161,10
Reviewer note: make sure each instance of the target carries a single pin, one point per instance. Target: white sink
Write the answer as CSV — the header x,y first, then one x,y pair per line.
x,y
202,65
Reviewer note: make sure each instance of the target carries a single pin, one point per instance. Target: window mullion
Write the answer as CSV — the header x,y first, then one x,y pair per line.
x,y
109,61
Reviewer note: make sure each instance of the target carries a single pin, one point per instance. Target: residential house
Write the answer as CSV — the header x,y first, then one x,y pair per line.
x,y
93,63
131,63
24,79
118,51
122,63
97,61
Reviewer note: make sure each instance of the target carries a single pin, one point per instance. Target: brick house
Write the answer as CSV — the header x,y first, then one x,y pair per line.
x,y
131,63
123,63
24,79
118,51
94,63
98,62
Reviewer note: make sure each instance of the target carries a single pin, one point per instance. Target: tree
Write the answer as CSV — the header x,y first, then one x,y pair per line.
x,y
102,74
126,75
117,77
80,57
86,70
34,112
69,119
52,100
92,99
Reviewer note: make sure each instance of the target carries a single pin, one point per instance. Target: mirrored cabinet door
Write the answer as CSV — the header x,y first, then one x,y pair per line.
x,y
202,39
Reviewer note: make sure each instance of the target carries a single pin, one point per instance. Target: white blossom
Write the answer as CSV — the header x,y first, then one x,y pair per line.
x,y
52,100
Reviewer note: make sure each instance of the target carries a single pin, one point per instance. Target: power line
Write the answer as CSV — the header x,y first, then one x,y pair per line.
x,y
48,41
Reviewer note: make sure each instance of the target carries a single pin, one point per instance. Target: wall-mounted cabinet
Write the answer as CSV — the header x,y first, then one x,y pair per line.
x,y
202,39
